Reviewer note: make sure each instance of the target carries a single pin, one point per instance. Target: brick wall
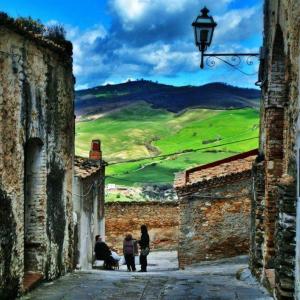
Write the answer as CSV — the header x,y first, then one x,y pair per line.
x,y
214,221
273,248
257,218
127,217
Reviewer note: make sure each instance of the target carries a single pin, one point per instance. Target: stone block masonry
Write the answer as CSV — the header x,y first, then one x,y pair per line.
x,y
215,206
286,238
36,157
214,224
257,218
162,220
275,233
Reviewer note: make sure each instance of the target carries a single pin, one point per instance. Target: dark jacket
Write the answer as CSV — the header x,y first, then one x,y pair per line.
x,y
102,252
144,241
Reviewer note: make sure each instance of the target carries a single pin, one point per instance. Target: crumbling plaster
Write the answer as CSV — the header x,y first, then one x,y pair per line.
x,y
36,102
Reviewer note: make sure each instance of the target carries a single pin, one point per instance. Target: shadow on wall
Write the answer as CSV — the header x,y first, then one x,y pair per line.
x,y
56,221
9,282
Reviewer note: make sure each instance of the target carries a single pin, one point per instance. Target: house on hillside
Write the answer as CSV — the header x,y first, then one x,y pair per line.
x,y
275,246
36,156
215,204
88,204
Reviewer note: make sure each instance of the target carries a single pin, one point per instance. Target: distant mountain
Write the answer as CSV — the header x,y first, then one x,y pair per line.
x,y
214,96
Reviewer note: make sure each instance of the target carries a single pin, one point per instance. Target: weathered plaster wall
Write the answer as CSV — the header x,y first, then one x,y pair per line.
x,y
36,104
88,205
162,220
274,249
214,221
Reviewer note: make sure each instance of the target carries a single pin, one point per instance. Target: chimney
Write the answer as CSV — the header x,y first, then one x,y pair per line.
x,y
95,152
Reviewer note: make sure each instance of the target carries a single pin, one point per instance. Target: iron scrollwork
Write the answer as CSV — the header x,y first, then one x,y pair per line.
x,y
234,60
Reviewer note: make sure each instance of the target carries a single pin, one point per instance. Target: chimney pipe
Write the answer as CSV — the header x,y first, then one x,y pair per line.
x,y
95,152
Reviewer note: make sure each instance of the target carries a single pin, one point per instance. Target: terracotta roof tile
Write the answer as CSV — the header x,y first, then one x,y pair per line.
x,y
229,166
84,167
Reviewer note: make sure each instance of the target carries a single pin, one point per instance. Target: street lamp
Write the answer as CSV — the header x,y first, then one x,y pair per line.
x,y
204,27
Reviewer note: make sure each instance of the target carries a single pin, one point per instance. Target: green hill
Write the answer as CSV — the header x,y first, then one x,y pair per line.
x,y
159,143
214,95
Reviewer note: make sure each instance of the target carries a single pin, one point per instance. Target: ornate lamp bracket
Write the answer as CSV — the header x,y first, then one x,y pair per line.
x,y
234,60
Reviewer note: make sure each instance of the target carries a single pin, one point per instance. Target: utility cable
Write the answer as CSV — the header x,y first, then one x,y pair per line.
x,y
181,152
84,195
195,150
134,181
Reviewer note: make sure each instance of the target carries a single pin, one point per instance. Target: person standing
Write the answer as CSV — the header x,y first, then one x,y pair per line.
x,y
129,251
145,248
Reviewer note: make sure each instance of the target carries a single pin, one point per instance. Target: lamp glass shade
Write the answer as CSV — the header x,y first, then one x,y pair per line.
x,y
204,27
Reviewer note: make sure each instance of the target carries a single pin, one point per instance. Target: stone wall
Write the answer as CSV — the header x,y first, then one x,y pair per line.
x,y
214,222
162,220
274,202
257,218
285,238
36,157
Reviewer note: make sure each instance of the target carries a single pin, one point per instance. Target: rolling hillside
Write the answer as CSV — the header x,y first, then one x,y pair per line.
x,y
157,142
103,99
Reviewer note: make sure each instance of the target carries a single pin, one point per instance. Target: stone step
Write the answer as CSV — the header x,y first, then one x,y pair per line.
x,y
31,280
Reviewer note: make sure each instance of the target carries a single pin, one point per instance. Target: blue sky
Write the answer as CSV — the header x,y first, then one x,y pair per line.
x,y
115,40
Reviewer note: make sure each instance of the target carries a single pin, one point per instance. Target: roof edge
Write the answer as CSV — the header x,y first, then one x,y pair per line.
x,y
222,161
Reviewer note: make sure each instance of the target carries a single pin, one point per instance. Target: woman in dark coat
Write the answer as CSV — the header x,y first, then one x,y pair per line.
x,y
145,248
102,252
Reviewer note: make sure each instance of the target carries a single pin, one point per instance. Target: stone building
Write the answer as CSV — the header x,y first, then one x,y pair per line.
x,y
88,203
275,254
215,204
36,157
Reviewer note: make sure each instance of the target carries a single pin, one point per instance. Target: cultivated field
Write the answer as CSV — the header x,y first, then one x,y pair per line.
x,y
163,143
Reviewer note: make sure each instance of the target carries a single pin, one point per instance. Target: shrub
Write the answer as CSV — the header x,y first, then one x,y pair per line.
x,y
28,24
56,33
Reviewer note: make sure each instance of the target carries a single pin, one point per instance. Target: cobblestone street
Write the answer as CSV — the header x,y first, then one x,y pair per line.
x,y
213,280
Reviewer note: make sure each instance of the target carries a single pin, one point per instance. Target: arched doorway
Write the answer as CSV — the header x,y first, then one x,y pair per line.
x,y
34,213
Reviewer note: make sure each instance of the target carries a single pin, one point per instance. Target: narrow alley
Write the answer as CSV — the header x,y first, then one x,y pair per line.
x,y
210,280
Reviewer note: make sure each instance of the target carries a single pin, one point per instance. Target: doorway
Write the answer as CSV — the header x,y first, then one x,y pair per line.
x,y
34,207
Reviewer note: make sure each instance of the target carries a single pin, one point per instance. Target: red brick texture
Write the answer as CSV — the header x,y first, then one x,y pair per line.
x,y
215,210
162,220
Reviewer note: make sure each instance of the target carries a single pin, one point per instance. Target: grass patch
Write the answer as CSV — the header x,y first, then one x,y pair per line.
x,y
139,131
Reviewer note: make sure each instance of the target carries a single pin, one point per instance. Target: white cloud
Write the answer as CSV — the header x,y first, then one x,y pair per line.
x,y
82,87
154,38
153,12
130,9
108,82
52,23
87,62
238,24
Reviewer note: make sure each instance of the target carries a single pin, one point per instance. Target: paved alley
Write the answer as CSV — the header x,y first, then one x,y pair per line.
x,y
210,280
